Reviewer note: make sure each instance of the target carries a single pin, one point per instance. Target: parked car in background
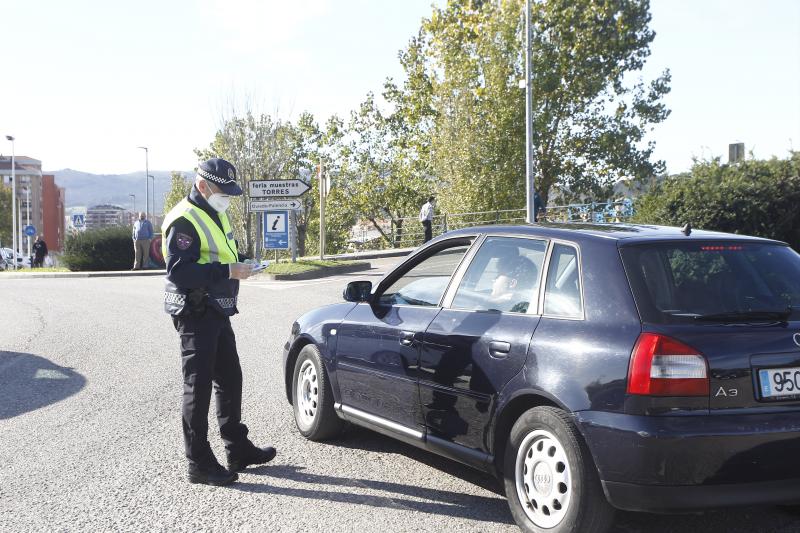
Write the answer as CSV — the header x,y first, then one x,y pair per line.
x,y
8,255
592,367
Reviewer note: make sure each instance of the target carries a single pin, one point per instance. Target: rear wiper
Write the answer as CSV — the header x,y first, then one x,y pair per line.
x,y
744,316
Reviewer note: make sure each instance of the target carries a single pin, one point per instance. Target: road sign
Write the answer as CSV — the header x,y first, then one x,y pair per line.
x,y
78,221
269,205
30,231
276,230
278,188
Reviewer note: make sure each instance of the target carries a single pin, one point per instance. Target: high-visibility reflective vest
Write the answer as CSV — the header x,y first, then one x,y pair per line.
x,y
216,246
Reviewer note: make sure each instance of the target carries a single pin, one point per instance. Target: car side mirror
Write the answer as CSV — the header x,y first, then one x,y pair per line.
x,y
358,291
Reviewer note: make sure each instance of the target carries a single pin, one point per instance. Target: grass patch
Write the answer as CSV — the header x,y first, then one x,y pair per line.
x,y
305,265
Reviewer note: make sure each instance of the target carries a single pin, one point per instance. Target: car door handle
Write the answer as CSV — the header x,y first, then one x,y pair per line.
x,y
406,338
499,349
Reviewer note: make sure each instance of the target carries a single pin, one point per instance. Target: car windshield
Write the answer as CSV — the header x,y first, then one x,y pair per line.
x,y
719,281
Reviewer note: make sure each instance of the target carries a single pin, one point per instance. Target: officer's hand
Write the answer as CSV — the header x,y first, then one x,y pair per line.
x,y
240,270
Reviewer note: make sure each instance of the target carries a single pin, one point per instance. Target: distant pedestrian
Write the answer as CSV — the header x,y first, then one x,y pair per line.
x,y
538,207
39,252
426,217
142,234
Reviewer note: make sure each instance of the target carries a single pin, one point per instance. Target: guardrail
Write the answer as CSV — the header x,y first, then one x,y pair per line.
x,y
408,232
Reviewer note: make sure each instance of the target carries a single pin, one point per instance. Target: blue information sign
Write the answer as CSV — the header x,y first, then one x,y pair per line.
x,y
276,230
30,231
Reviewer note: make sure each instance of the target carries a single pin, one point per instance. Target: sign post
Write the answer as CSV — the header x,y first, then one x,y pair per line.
x,y
279,203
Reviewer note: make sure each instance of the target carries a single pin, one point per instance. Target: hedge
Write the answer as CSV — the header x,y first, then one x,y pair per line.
x,y
754,197
99,249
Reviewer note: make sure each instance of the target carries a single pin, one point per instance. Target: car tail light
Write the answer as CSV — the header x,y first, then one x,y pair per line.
x,y
662,366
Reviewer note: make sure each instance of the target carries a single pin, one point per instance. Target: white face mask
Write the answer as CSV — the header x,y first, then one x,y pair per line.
x,y
219,202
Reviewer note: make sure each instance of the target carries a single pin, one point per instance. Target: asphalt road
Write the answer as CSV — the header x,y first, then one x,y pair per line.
x,y
90,433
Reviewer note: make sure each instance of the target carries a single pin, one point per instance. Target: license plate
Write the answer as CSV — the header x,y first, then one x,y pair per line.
x,y
779,382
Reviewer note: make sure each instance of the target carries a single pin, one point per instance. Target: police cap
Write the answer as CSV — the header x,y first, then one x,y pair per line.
x,y
220,173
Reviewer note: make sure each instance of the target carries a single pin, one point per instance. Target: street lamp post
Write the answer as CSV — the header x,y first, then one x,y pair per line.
x,y
529,171
134,202
146,181
153,192
28,209
13,202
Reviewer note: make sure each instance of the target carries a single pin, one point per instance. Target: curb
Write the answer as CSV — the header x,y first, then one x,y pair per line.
x,y
101,274
377,254
315,274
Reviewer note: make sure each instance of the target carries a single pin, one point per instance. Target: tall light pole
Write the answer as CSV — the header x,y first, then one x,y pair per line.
x,y
134,202
146,181
530,190
28,209
13,201
153,192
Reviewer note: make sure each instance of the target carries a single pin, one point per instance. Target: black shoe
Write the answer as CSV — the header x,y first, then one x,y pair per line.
x,y
251,455
211,475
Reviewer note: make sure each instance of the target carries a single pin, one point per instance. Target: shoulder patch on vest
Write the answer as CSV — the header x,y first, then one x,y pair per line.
x,y
183,241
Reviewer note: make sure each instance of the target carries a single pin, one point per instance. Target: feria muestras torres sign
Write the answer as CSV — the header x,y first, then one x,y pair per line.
x,y
277,188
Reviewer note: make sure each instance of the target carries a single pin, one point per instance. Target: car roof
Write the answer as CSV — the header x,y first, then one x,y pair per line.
x,y
623,234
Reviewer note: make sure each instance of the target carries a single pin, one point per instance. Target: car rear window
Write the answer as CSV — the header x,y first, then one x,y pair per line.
x,y
684,282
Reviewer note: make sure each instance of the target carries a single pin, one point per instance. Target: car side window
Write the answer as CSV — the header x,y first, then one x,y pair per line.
x,y
503,276
426,282
562,292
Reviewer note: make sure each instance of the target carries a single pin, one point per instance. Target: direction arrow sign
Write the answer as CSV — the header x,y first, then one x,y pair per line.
x,y
277,188
267,205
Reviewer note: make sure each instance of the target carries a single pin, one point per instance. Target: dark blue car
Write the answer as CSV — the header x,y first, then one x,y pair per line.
x,y
592,367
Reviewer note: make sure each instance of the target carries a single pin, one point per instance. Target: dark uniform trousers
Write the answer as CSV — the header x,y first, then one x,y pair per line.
x,y
208,352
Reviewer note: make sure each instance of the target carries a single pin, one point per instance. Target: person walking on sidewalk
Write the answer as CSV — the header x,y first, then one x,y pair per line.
x,y
39,252
142,234
426,217
202,286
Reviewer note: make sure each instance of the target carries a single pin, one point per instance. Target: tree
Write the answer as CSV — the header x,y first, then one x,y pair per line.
x,y
5,216
754,197
379,182
591,112
260,148
179,188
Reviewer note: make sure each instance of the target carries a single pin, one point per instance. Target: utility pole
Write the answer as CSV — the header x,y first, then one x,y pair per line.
x,y
28,210
13,202
146,181
322,193
529,170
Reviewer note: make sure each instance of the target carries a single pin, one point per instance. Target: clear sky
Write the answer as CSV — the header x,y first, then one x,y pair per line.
x,y
87,81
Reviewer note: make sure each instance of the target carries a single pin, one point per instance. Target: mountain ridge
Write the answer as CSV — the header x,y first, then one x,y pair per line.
x,y
84,189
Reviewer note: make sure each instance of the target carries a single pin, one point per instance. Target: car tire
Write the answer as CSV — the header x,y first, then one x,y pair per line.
x,y
550,479
312,398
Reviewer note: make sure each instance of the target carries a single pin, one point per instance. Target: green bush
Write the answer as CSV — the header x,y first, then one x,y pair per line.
x,y
754,197
99,249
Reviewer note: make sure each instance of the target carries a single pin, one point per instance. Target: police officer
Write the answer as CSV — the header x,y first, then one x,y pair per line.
x,y
203,273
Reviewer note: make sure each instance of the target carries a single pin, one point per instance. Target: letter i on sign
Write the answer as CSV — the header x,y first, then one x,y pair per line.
x,y
276,223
